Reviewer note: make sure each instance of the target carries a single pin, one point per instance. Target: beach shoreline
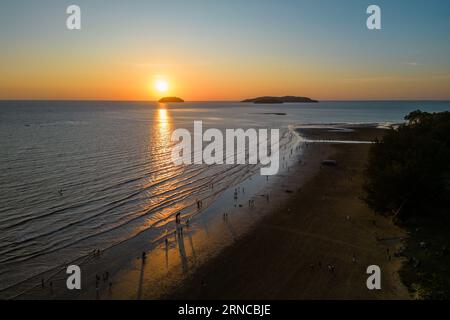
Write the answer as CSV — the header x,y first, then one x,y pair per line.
x,y
196,263
169,257
324,223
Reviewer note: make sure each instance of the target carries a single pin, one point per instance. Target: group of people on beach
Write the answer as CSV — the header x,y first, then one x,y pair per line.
x,y
105,278
179,226
251,203
237,191
331,267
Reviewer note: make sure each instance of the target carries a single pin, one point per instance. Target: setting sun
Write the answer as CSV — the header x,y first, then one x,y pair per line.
x,y
161,85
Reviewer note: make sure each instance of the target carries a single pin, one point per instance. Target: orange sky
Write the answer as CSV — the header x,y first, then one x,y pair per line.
x,y
52,79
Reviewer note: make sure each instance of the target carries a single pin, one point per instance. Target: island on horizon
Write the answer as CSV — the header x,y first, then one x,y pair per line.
x,y
278,100
170,99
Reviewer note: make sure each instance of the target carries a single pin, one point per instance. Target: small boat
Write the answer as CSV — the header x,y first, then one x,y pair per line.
x,y
329,163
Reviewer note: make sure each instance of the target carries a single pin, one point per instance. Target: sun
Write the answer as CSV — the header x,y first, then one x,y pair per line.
x,y
161,85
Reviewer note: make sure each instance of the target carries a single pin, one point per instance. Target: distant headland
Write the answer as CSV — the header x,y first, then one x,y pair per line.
x,y
170,99
285,99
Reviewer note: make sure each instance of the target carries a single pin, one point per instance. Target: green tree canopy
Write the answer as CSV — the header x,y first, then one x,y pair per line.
x,y
408,171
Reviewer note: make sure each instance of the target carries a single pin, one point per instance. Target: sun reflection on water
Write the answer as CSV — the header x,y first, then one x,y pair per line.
x,y
163,130
163,119
164,177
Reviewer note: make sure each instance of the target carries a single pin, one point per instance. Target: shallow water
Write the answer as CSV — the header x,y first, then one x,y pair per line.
x,y
76,176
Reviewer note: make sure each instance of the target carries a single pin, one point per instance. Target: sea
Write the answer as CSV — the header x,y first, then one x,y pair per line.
x,y
76,176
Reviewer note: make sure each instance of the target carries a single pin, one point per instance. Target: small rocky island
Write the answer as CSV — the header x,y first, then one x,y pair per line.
x,y
170,99
277,100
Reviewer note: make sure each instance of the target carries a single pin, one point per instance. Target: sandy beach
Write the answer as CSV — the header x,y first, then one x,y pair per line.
x,y
324,222
302,221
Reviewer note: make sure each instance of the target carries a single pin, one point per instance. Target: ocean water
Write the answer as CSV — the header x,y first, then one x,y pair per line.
x,y
77,176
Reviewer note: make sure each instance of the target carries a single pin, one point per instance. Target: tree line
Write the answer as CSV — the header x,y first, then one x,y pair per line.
x,y
408,171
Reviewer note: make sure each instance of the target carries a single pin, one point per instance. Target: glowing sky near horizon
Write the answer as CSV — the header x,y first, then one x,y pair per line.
x,y
225,50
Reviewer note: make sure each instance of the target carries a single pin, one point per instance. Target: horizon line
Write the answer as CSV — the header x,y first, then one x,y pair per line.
x,y
218,100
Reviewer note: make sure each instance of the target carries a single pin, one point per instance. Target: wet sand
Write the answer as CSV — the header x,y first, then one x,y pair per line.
x,y
173,256
323,222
